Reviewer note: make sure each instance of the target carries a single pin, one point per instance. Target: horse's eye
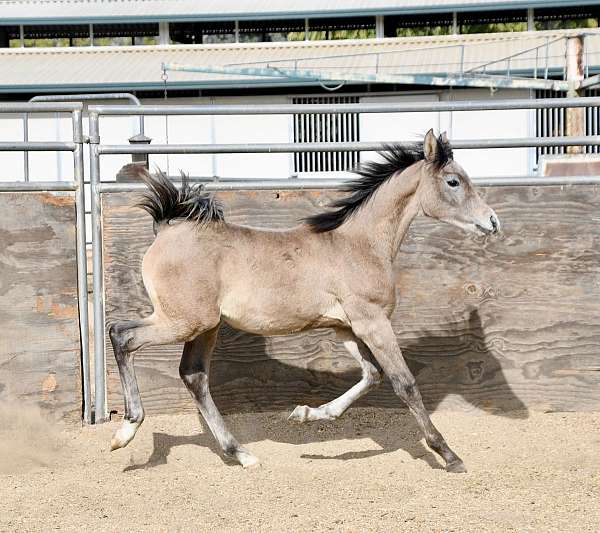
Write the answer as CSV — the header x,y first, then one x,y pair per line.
x,y
453,182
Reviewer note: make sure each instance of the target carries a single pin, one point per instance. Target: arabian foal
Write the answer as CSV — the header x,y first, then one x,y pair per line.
x,y
336,270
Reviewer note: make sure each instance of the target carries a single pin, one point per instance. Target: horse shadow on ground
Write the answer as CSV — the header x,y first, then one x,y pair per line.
x,y
460,368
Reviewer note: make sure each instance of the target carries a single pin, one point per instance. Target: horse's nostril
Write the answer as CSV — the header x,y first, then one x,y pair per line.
x,y
494,223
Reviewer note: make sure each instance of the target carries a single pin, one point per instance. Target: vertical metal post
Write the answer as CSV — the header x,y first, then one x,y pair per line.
x,y
82,292
91,35
587,62
379,27
306,32
26,153
530,21
21,36
140,158
454,23
163,33
574,70
96,208
237,31
547,56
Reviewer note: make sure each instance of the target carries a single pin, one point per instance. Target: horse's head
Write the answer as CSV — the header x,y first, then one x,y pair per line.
x,y
446,192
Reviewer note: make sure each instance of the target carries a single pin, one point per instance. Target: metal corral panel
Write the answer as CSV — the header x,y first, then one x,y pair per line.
x,y
39,343
99,68
486,323
92,10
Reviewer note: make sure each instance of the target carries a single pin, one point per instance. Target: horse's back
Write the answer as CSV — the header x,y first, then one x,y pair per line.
x,y
265,281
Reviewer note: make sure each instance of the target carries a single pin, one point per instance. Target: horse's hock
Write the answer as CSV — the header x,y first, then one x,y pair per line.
x,y
39,343
496,323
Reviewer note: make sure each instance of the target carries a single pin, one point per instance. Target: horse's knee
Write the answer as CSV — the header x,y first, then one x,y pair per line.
x,y
196,381
405,388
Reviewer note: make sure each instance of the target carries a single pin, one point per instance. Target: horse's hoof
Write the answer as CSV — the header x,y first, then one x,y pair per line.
x,y
124,435
299,414
247,460
456,467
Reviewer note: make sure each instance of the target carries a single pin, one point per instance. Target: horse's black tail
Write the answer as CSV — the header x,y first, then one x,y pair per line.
x,y
165,202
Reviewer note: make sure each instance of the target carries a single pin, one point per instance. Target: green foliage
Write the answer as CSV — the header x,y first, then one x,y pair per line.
x,y
419,31
494,27
567,24
365,33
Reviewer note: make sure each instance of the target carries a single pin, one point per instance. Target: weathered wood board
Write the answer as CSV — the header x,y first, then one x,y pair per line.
x,y
39,342
494,324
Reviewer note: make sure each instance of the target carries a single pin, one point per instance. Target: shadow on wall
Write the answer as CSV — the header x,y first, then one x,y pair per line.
x,y
460,365
463,365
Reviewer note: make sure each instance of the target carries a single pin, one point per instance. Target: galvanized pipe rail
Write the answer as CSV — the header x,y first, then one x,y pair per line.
x,y
18,146
288,184
89,97
50,107
292,109
38,186
273,148
76,185
98,188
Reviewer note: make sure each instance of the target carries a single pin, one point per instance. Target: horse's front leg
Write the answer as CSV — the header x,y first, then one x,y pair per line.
x,y
373,327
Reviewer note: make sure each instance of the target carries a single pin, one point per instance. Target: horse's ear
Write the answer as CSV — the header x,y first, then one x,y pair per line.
x,y
444,138
430,146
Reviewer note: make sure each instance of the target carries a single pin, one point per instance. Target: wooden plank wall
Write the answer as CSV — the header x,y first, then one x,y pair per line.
x,y
39,342
493,324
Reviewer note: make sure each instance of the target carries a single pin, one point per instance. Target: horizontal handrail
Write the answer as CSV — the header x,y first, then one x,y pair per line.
x,y
287,109
20,146
37,186
86,97
39,107
266,148
302,184
92,96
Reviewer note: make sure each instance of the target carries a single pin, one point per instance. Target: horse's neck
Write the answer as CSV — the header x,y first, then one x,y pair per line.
x,y
385,219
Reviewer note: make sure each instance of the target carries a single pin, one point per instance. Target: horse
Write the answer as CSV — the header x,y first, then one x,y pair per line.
x,y
333,270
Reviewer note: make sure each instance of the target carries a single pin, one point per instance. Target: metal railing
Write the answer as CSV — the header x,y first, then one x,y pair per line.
x,y
292,109
98,188
93,97
76,147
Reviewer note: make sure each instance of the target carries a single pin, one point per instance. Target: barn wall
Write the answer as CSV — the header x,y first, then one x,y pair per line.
x,y
489,324
506,124
39,342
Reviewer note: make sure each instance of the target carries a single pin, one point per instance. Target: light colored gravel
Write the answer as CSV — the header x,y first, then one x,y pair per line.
x,y
366,472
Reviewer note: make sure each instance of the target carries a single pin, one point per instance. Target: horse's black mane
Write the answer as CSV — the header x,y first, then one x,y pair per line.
x,y
396,158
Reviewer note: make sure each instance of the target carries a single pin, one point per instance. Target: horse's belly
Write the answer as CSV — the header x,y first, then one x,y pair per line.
x,y
279,317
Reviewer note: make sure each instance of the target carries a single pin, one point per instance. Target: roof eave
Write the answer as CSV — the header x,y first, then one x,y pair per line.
x,y
175,17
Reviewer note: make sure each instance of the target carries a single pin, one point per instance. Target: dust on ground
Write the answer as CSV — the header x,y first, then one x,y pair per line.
x,y
28,438
368,471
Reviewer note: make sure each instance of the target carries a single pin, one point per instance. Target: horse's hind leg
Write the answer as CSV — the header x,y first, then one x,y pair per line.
x,y
126,338
194,370
371,377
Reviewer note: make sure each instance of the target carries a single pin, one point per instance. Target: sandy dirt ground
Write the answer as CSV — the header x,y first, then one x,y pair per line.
x,y
368,471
